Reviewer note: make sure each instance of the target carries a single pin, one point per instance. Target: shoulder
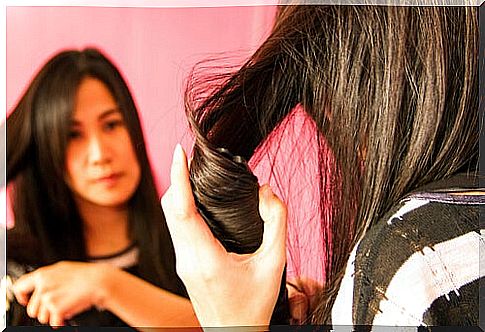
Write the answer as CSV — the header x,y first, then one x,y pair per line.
x,y
424,249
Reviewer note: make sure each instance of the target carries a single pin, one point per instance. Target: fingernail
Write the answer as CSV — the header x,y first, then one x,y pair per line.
x,y
178,154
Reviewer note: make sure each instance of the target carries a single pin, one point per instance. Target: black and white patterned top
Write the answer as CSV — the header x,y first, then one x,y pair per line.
x,y
420,264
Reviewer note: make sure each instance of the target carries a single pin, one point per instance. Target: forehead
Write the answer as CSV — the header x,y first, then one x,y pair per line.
x,y
92,99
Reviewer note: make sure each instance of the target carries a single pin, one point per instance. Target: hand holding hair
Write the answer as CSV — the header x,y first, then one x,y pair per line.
x,y
226,289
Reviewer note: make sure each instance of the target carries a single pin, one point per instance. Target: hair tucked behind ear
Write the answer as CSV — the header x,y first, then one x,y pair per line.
x,y
393,90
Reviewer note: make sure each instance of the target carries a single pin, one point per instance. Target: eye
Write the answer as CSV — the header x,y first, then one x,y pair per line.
x,y
74,134
113,124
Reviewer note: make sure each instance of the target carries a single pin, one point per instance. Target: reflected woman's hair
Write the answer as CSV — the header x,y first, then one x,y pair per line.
x,y
48,227
393,91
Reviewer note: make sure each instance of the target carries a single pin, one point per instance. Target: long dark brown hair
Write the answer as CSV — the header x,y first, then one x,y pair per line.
x,y
46,218
392,90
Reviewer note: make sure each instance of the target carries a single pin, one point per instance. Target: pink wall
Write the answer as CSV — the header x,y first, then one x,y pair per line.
x,y
154,48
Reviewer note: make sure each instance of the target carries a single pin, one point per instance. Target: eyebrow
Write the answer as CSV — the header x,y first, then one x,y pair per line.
x,y
102,116
107,113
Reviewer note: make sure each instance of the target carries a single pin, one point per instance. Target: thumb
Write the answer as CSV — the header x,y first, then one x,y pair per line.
x,y
273,213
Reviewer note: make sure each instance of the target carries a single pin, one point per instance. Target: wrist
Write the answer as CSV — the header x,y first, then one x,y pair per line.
x,y
104,276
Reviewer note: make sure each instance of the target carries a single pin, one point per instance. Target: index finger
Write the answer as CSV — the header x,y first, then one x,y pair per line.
x,y
188,230
180,184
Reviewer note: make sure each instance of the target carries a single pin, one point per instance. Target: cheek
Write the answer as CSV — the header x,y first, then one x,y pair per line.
x,y
73,170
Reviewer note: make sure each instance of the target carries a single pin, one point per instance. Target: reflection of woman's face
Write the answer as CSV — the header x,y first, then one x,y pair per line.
x,y
101,164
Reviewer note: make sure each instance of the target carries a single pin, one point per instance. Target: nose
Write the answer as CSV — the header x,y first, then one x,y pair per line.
x,y
98,151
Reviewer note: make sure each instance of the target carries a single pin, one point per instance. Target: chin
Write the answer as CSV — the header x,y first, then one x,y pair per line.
x,y
111,201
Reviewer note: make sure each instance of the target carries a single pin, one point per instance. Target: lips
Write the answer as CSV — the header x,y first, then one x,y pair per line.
x,y
109,179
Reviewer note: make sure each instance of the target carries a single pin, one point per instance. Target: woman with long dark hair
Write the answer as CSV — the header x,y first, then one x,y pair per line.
x,y
87,219
393,93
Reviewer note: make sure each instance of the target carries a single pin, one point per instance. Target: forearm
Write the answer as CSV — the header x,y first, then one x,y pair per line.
x,y
141,304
